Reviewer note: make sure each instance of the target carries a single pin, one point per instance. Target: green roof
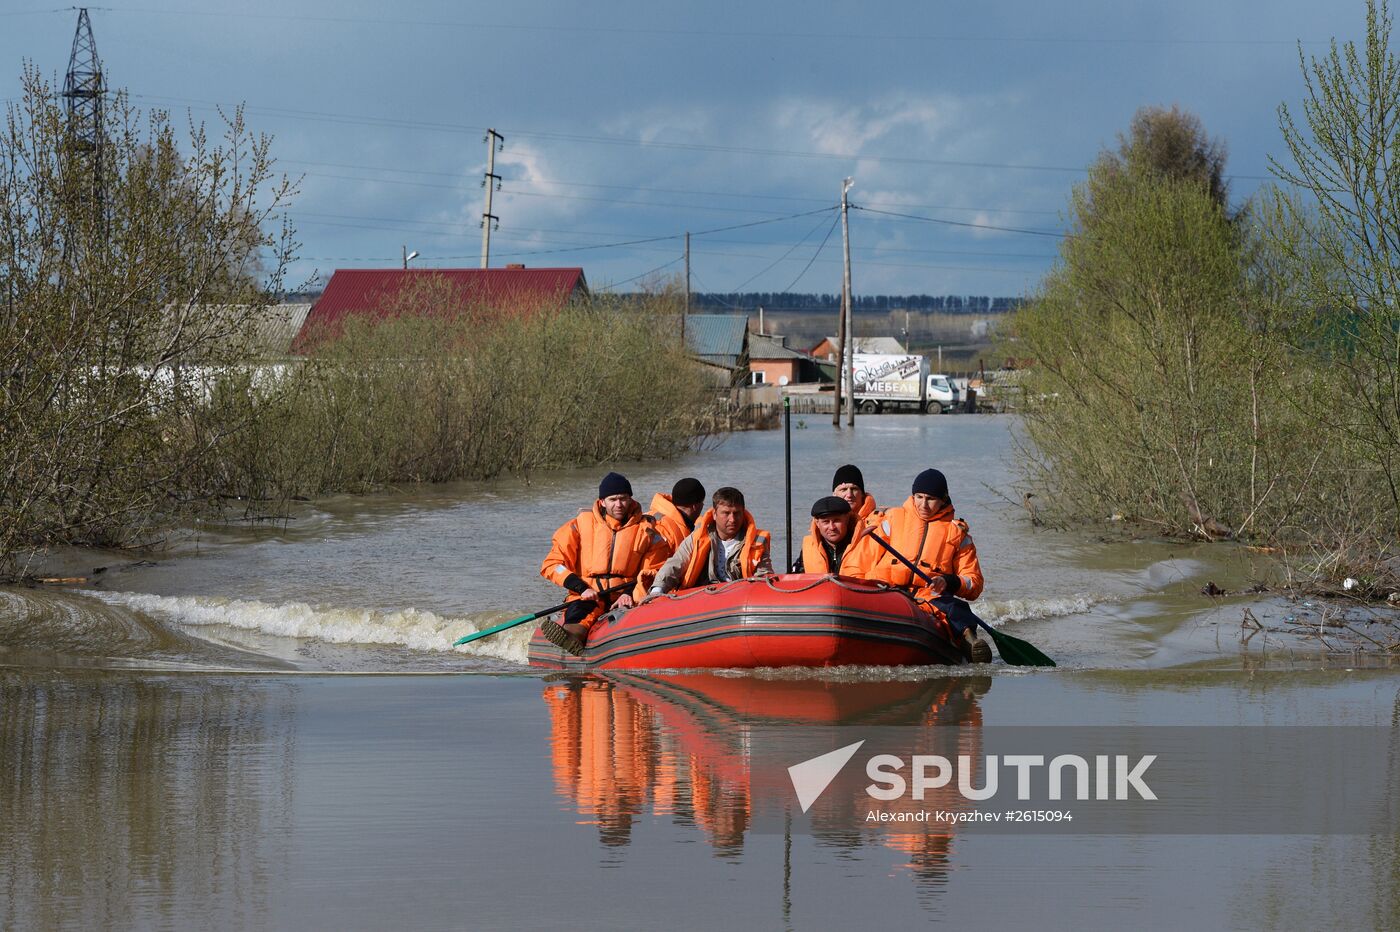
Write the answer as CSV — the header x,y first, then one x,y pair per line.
x,y
717,338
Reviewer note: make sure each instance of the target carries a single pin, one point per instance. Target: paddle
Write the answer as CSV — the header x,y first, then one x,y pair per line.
x,y
1013,650
505,625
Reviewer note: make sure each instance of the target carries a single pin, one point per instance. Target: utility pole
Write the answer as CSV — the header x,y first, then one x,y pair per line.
x,y
685,311
848,321
492,183
840,358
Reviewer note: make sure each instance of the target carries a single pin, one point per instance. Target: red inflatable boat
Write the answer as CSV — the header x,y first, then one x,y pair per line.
x,y
773,621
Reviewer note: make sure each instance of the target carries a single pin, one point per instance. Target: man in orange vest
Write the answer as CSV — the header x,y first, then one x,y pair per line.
x,y
611,546
675,514
726,544
848,483
839,542
927,533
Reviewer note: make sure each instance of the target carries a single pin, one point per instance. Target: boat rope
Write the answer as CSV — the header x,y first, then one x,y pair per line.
x,y
861,586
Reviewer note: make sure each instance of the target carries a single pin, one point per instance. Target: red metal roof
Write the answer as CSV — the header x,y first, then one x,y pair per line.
x,y
373,292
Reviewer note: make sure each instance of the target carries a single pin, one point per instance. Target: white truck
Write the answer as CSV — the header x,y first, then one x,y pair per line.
x,y
886,382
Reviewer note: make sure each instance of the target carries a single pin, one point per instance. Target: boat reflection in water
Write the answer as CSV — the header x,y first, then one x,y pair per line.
x,y
627,746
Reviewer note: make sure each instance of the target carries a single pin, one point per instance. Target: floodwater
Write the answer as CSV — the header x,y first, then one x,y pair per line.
x,y
269,727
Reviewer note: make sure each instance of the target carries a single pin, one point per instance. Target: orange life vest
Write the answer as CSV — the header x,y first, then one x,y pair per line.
x,y
669,521
867,508
603,551
855,560
937,547
751,553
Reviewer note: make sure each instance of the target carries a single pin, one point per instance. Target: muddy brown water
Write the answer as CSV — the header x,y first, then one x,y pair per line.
x,y
268,727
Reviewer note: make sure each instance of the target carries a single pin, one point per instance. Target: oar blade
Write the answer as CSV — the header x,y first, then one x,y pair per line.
x,y
1016,652
468,638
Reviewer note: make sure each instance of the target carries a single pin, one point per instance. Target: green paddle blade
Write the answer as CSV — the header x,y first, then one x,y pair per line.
x,y
468,638
1017,652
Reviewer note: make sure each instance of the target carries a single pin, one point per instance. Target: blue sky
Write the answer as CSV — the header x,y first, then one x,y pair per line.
x,y
631,121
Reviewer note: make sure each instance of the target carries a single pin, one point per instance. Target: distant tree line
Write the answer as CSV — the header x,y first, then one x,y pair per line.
x,y
868,304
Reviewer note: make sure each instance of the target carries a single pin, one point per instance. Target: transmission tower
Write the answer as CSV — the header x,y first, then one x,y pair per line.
x,y
84,90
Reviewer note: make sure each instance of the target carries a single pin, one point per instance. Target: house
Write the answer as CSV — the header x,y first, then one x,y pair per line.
x,y
381,293
277,329
826,349
257,332
772,362
720,343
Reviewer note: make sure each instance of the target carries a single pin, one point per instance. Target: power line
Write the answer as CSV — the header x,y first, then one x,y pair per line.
x,y
984,269
509,191
356,120
818,252
959,223
612,285
714,296
463,228
843,37
656,239
617,187
790,251
352,119
647,244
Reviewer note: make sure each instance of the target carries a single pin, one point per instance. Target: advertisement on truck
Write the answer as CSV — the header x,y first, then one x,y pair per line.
x,y
886,381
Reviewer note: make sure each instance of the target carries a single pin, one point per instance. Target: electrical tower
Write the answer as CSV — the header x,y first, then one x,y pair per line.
x,y
84,90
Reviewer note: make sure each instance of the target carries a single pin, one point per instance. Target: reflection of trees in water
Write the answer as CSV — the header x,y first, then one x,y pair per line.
x,y
129,800
623,746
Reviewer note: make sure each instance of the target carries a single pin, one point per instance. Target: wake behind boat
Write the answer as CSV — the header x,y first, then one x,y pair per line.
x,y
793,620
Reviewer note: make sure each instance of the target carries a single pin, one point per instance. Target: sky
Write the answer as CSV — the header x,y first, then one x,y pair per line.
x,y
964,125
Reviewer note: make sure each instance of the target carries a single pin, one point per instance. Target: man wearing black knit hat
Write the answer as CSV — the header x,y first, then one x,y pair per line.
x,y
605,557
848,483
926,532
675,514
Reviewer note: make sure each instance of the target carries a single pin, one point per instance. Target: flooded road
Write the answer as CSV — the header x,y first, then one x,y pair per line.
x,y
249,731
388,582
